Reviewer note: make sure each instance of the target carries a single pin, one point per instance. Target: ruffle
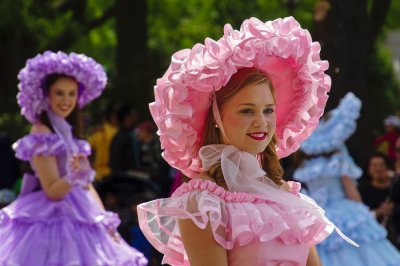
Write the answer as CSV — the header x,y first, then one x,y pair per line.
x,y
78,206
332,133
355,220
64,243
183,94
236,219
79,232
338,165
380,252
45,145
88,73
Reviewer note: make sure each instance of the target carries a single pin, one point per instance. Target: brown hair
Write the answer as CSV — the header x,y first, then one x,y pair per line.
x,y
268,158
74,118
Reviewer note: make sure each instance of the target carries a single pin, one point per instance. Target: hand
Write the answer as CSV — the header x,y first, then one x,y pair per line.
x,y
384,209
79,163
80,172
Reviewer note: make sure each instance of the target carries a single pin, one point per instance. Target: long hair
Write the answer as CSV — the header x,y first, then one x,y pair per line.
x,y
268,158
74,118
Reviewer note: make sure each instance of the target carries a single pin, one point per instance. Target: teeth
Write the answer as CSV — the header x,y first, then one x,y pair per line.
x,y
258,135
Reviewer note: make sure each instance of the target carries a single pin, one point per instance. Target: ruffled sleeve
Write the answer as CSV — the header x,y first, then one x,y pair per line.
x,y
236,218
45,145
38,144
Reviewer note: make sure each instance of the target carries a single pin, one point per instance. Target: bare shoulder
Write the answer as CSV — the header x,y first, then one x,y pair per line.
x,y
40,128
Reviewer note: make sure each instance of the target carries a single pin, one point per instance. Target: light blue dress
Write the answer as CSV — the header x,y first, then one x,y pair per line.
x,y
322,175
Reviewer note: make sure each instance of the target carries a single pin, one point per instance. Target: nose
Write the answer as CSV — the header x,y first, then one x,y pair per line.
x,y
67,99
259,120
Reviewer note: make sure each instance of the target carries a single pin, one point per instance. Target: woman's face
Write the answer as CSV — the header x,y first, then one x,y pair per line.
x,y
249,118
63,95
377,168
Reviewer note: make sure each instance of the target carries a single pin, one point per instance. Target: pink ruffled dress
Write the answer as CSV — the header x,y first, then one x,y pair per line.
x,y
257,223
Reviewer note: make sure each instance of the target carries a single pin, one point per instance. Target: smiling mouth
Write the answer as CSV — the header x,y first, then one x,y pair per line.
x,y
258,135
65,109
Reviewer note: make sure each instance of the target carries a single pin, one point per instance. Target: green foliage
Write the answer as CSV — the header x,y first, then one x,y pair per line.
x,y
172,25
175,24
383,88
14,124
392,20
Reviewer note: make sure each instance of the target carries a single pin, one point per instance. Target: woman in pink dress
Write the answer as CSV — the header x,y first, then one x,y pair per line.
x,y
227,110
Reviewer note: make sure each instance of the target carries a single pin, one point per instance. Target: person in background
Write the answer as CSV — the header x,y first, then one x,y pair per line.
x,y
330,174
380,194
150,159
122,157
100,141
387,142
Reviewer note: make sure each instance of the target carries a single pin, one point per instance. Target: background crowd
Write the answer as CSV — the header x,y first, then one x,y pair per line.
x,y
126,154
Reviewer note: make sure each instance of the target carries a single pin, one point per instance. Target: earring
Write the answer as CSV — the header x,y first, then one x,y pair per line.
x,y
216,126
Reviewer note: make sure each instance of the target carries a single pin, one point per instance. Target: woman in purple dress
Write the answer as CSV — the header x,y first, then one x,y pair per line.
x,y
59,219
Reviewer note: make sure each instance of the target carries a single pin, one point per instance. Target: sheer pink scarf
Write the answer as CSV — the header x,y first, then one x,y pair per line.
x,y
242,173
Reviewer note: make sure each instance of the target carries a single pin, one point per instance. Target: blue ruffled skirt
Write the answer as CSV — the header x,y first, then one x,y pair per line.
x,y
355,220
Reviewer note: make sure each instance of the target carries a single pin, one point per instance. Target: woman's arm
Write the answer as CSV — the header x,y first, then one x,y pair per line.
x,y
200,245
350,189
313,258
53,186
46,169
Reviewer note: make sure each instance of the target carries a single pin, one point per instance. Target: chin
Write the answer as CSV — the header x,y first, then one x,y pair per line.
x,y
255,151
63,114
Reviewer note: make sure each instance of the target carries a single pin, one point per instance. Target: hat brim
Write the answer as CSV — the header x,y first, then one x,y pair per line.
x,y
333,132
281,48
88,73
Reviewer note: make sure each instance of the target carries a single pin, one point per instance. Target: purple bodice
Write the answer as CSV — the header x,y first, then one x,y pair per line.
x,y
47,145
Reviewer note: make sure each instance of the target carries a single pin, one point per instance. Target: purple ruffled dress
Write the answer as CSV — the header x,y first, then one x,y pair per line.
x,y
35,230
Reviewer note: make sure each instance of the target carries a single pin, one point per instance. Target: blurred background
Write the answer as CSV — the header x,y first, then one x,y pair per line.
x,y
134,41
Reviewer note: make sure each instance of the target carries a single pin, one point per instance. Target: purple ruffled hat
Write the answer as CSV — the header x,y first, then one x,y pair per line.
x,y
88,73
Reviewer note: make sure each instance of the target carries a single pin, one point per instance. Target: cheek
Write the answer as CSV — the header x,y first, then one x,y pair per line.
x,y
235,122
271,121
53,100
75,99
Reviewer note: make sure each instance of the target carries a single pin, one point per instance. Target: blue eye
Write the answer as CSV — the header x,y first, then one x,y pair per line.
x,y
269,110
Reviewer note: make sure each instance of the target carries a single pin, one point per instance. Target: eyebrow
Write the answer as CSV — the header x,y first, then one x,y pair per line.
x,y
252,104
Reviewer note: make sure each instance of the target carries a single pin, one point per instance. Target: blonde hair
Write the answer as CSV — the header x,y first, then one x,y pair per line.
x,y
268,158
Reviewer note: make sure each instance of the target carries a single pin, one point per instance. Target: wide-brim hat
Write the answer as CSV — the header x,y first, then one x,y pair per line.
x,y
90,76
281,48
333,132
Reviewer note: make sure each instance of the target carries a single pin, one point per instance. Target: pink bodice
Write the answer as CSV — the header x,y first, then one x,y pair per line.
x,y
253,230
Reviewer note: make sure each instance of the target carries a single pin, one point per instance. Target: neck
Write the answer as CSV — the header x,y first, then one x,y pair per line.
x,y
381,182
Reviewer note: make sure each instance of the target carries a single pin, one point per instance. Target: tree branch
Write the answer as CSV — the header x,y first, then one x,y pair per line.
x,y
71,34
110,12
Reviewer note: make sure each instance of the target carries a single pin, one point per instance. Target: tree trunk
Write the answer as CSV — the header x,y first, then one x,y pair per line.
x,y
348,36
132,80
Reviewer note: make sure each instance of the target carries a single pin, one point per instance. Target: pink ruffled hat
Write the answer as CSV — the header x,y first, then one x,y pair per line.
x,y
281,48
